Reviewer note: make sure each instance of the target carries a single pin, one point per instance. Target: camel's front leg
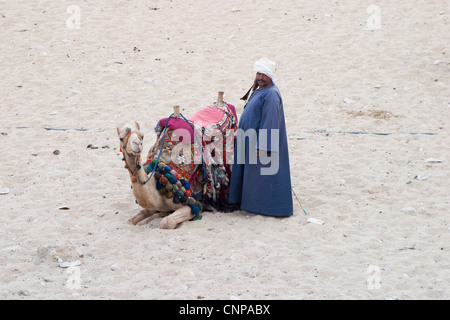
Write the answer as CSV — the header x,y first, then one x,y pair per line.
x,y
142,215
180,215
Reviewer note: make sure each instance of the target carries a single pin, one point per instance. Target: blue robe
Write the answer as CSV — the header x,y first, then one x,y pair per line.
x,y
262,184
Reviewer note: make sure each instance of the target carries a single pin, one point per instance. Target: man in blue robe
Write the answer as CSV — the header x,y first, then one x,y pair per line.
x,y
260,176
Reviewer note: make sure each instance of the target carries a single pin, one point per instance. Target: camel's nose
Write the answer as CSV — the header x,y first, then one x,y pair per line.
x,y
136,147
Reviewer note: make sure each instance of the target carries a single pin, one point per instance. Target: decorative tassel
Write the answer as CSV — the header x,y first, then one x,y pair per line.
x,y
173,186
163,180
195,210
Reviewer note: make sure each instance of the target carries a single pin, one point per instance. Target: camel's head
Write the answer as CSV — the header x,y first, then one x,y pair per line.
x,y
131,139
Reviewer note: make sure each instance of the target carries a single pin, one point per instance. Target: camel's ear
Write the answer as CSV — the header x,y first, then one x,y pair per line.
x,y
118,131
137,125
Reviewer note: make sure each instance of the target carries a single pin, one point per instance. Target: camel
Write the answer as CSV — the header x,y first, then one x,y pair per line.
x,y
144,185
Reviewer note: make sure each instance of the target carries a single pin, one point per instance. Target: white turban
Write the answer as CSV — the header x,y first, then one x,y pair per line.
x,y
267,67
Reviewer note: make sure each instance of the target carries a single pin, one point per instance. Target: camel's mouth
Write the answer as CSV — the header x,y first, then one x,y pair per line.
x,y
136,151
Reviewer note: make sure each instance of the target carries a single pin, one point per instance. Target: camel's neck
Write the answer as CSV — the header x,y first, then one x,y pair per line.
x,y
145,193
135,168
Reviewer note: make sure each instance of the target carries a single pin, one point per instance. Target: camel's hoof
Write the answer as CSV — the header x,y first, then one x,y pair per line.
x,y
168,223
142,215
132,220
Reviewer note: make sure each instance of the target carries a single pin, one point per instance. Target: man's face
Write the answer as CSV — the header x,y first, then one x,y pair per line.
x,y
263,80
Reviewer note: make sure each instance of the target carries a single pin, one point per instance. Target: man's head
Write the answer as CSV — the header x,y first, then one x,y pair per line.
x,y
262,80
265,72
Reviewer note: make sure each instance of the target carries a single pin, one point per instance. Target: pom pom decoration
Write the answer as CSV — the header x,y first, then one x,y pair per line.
x,y
173,186
161,170
195,210
173,180
190,201
163,180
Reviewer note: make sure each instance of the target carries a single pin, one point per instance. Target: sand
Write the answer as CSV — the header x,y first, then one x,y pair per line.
x,y
385,231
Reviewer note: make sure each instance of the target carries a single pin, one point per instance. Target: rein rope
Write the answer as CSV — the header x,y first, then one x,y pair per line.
x,y
123,148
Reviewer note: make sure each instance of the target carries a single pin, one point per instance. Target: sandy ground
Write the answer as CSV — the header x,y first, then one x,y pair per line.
x,y
384,207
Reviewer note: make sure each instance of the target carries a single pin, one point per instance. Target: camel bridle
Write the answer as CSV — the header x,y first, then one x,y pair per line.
x,y
123,149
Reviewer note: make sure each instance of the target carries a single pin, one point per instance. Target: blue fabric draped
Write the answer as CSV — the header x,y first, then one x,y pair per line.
x,y
262,184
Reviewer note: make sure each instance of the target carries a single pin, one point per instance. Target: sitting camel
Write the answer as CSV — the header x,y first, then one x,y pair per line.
x,y
147,177
147,196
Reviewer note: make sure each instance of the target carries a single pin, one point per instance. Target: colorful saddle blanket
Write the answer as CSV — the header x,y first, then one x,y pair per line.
x,y
200,150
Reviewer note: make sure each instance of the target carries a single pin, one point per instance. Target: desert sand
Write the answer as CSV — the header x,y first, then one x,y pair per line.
x,y
367,101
